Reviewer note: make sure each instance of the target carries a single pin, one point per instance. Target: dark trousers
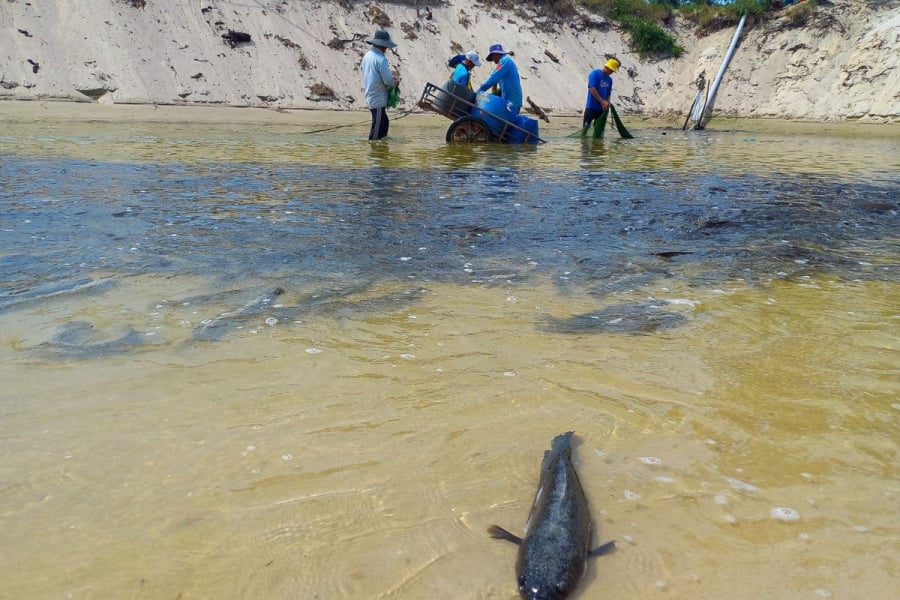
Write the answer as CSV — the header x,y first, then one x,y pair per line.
x,y
379,123
590,115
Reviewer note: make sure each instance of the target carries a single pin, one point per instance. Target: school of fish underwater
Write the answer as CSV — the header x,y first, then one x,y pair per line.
x,y
268,358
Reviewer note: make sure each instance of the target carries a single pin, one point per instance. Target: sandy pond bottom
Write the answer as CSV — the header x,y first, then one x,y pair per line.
x,y
241,360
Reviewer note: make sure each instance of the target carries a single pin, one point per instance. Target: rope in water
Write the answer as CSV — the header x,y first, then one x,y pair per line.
x,y
359,124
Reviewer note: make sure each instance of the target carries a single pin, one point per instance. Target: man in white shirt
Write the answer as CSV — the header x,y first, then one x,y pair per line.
x,y
377,81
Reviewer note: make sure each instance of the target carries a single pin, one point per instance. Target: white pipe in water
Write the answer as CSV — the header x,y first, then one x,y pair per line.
x,y
706,113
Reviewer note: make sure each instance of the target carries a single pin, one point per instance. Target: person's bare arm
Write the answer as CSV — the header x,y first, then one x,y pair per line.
x,y
596,95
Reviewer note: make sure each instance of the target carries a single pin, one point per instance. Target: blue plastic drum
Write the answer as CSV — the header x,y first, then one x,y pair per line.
x,y
489,103
530,135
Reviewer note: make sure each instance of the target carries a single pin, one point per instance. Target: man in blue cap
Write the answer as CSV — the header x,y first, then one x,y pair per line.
x,y
506,73
377,81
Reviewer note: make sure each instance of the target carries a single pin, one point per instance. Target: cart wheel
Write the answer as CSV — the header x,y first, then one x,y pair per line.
x,y
469,129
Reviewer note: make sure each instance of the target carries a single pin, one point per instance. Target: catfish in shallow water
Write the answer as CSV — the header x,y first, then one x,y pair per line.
x,y
80,339
553,554
217,328
630,319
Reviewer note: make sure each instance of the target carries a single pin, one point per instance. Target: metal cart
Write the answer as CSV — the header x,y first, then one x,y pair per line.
x,y
471,122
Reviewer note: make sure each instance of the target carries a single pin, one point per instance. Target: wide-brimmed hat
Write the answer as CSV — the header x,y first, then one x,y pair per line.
x,y
496,49
612,64
382,39
473,56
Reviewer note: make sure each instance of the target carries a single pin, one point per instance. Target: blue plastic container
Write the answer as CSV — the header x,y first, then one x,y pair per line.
x,y
496,106
514,136
448,105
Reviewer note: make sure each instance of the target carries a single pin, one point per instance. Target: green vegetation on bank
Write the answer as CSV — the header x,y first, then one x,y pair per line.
x,y
646,21
643,21
710,17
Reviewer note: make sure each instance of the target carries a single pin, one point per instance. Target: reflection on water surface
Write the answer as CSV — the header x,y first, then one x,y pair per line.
x,y
243,360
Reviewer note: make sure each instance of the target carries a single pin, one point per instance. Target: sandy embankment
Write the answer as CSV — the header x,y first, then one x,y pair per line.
x,y
842,62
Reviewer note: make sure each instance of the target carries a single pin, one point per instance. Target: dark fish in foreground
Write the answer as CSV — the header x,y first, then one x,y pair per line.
x,y
553,554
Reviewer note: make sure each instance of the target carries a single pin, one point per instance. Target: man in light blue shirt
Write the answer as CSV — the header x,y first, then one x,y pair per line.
x,y
377,81
506,74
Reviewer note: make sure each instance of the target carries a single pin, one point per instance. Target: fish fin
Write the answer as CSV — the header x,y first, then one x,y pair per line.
x,y
604,549
499,533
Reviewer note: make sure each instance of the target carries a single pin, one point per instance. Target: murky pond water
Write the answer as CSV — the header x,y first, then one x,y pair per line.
x,y
248,355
